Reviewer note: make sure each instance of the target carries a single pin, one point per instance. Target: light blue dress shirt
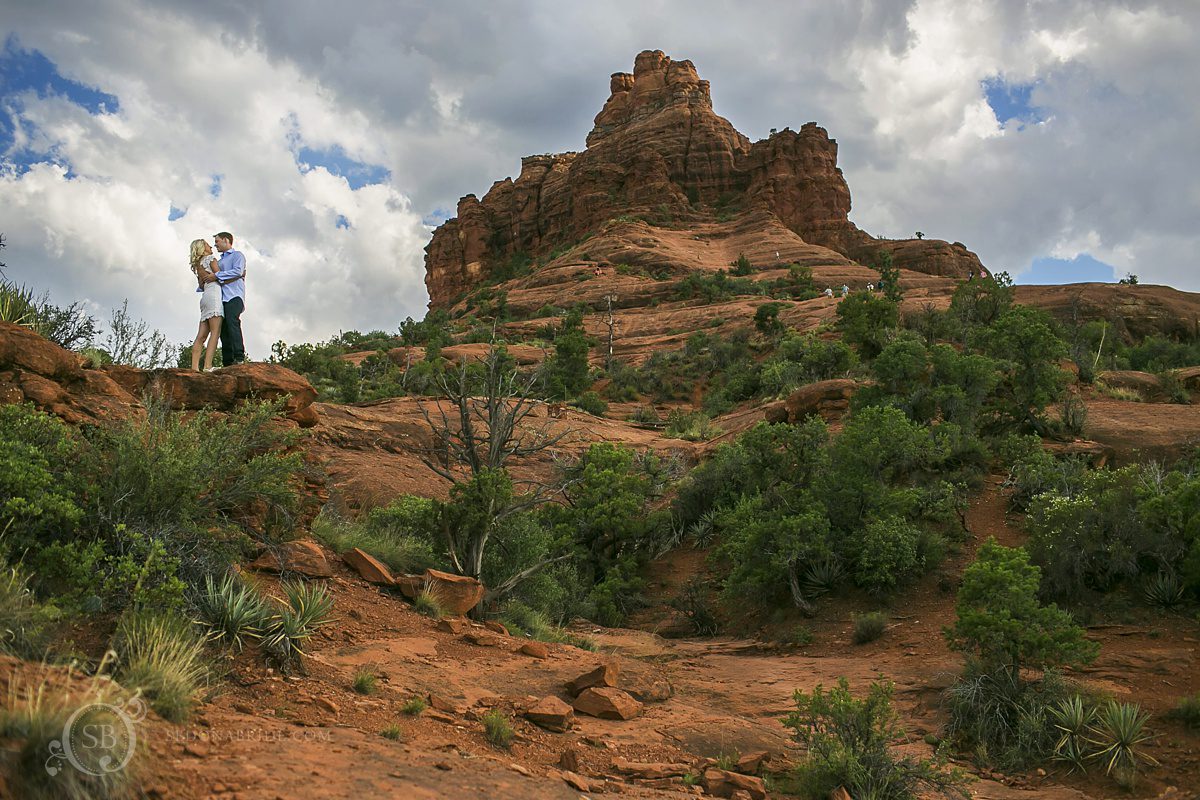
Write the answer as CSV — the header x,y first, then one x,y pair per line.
x,y
233,265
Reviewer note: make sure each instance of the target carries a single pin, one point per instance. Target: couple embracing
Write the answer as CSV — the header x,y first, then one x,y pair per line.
x,y
222,284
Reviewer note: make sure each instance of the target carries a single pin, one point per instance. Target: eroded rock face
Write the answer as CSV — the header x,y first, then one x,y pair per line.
x,y
63,383
659,151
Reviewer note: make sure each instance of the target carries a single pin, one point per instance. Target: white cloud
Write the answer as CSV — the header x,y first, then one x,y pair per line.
x,y
449,96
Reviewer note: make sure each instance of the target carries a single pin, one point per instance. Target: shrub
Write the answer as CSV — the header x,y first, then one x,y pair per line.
x,y
1119,732
869,627
800,636
865,320
848,743
414,706
693,603
742,265
232,610
163,658
1000,619
592,403
1024,341
1002,720
692,426
767,322
1187,711
497,729
885,554
365,682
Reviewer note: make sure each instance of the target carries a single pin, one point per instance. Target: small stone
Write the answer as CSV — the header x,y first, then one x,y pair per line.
x,y
496,627
455,625
481,639
520,770
534,650
569,760
576,782
326,704
444,766
195,750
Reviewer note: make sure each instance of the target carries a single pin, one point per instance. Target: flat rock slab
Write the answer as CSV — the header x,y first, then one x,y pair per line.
x,y
370,568
302,556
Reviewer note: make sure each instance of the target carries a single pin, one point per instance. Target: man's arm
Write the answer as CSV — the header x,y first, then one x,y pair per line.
x,y
233,268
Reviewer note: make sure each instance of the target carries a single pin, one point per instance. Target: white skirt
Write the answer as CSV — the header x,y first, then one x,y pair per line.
x,y
210,302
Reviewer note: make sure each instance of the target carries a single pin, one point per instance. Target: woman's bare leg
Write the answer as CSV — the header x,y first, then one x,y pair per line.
x,y
214,333
198,344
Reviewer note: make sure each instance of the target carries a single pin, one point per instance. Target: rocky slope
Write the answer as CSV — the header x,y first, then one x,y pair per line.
x,y
658,151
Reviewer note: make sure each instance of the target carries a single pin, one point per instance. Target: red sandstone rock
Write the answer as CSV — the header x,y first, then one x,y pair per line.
x,y
722,783
534,650
370,568
658,151
552,714
650,771
603,675
409,585
827,399
482,639
456,594
302,556
606,702
496,627
455,625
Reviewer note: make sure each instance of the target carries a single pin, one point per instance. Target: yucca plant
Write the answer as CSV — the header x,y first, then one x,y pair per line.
x,y
1072,717
704,529
1163,590
232,610
163,658
823,576
1119,732
308,607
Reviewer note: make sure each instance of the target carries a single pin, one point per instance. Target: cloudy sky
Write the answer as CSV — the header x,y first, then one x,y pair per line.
x,y
1057,138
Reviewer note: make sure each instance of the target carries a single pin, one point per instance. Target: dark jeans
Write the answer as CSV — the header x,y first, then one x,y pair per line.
x,y
233,351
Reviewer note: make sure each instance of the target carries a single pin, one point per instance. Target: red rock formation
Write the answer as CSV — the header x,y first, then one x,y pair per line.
x,y
659,151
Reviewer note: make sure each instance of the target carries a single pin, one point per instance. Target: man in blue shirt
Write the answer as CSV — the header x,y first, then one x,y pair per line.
x,y
232,277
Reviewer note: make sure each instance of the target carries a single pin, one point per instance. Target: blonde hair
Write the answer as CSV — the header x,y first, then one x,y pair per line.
x,y
195,253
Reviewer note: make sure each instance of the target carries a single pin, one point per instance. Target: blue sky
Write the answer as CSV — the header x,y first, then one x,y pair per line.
x,y
1055,139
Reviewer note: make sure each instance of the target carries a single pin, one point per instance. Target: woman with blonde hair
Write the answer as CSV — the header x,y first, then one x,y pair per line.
x,y
203,263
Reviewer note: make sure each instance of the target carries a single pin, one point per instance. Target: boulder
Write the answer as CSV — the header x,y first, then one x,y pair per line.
x,y
301,556
371,569
722,783
650,688
409,585
606,702
826,399
603,675
552,714
456,594
751,763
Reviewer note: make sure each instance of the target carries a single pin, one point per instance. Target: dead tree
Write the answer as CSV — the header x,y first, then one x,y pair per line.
x,y
482,425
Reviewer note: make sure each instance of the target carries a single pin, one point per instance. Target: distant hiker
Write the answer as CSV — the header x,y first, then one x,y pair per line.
x,y
971,275
232,277
204,267
828,292
845,290
870,287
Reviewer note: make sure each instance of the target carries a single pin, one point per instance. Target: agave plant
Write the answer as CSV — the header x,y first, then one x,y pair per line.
x,y
1164,590
18,305
1119,731
232,610
1072,717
